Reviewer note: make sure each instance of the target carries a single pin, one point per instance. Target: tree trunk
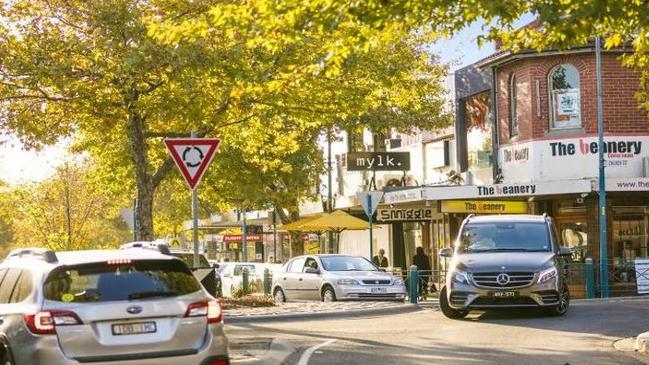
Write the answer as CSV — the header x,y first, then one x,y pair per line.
x,y
297,243
143,180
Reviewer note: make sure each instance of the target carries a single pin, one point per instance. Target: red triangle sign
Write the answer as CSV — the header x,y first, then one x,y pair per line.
x,y
192,156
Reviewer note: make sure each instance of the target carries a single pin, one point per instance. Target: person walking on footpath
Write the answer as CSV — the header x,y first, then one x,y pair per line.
x,y
422,262
380,260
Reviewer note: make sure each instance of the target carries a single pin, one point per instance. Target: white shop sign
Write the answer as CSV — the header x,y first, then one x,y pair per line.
x,y
403,196
507,190
642,275
624,184
573,158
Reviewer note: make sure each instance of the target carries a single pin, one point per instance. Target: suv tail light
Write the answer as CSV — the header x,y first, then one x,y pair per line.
x,y
45,322
210,309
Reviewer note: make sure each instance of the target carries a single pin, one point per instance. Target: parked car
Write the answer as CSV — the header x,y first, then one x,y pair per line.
x,y
232,274
506,261
110,307
335,277
205,272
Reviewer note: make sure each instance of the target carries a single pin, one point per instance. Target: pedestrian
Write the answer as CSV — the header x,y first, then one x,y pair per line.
x,y
380,260
422,262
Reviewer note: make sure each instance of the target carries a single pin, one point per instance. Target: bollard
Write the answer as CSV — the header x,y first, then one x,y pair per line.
x,y
589,273
413,284
266,282
246,281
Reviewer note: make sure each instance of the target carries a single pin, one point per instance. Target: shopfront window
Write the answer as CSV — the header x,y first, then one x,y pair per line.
x,y
571,222
629,240
565,100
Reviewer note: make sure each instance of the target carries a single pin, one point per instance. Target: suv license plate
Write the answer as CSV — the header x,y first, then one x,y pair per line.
x,y
134,328
505,294
379,290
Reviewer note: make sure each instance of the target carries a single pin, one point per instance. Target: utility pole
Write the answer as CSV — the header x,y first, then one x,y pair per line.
x,y
603,236
244,243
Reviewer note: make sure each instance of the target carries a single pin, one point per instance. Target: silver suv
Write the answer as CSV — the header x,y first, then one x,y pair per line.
x,y
506,261
135,307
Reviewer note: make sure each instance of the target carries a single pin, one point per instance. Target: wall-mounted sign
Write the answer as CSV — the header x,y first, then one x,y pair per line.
x,y
404,214
484,207
237,238
403,196
378,161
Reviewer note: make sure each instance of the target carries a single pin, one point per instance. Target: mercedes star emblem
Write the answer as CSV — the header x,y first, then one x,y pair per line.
x,y
502,279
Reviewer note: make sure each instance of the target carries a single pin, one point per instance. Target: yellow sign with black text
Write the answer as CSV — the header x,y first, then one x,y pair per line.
x,y
484,207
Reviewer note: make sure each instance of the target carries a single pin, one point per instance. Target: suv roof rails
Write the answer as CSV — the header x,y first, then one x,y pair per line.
x,y
147,245
44,254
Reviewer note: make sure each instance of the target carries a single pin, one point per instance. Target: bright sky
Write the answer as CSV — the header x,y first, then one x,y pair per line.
x,y
18,165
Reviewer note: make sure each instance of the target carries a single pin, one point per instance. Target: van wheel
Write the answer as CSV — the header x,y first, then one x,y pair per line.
x,y
279,296
446,308
328,294
7,358
563,306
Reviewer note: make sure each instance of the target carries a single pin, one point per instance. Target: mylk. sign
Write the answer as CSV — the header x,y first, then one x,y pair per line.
x,y
378,161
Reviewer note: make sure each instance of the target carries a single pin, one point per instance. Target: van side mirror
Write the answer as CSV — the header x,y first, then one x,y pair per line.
x,y
565,251
215,266
446,252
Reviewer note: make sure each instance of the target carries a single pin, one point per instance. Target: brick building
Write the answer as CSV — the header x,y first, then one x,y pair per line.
x,y
526,130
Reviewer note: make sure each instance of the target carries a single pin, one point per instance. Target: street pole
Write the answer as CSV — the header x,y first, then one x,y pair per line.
x,y
195,220
195,227
274,236
369,204
603,237
244,243
329,189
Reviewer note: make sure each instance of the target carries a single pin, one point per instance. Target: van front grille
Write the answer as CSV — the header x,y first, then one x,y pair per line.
x,y
516,279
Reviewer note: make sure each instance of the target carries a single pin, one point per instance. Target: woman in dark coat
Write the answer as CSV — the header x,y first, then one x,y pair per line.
x,y
422,262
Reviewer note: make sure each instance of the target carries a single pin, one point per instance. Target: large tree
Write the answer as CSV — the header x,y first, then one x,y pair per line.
x,y
68,211
119,76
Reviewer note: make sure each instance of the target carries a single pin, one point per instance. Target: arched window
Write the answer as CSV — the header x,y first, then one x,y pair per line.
x,y
565,102
513,110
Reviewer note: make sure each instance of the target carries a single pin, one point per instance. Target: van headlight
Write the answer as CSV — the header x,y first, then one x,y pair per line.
x,y
547,275
460,277
398,282
348,282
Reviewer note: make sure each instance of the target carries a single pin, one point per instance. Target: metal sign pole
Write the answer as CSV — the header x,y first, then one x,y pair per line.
x,y
369,204
244,238
195,226
603,236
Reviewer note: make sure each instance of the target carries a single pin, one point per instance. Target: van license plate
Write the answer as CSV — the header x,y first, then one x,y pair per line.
x,y
379,290
134,328
505,294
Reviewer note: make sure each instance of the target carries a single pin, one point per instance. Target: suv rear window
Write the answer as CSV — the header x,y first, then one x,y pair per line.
x,y
105,282
188,258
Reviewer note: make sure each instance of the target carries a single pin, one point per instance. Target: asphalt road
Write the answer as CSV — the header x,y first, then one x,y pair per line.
x,y
584,336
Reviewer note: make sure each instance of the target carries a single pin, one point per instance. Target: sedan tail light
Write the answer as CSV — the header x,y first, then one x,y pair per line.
x,y
45,322
210,309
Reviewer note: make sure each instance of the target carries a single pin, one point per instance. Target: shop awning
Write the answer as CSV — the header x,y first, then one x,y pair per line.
x,y
297,225
337,221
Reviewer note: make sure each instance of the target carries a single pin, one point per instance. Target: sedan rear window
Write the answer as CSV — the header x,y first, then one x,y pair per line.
x,y
124,280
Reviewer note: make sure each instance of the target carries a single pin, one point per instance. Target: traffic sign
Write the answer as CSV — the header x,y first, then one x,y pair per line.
x,y
192,156
369,204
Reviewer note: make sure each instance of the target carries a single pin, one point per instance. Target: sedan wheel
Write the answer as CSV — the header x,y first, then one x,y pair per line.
x,y
328,295
279,296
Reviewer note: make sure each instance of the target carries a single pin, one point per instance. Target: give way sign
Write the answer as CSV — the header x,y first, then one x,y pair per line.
x,y
192,156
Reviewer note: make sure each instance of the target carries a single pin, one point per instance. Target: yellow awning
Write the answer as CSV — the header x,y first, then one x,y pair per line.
x,y
297,225
337,221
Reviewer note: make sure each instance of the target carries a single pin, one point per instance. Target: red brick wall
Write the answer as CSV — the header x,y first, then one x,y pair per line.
x,y
621,112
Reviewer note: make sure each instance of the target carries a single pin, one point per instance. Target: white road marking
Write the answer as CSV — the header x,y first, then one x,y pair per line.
x,y
304,359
